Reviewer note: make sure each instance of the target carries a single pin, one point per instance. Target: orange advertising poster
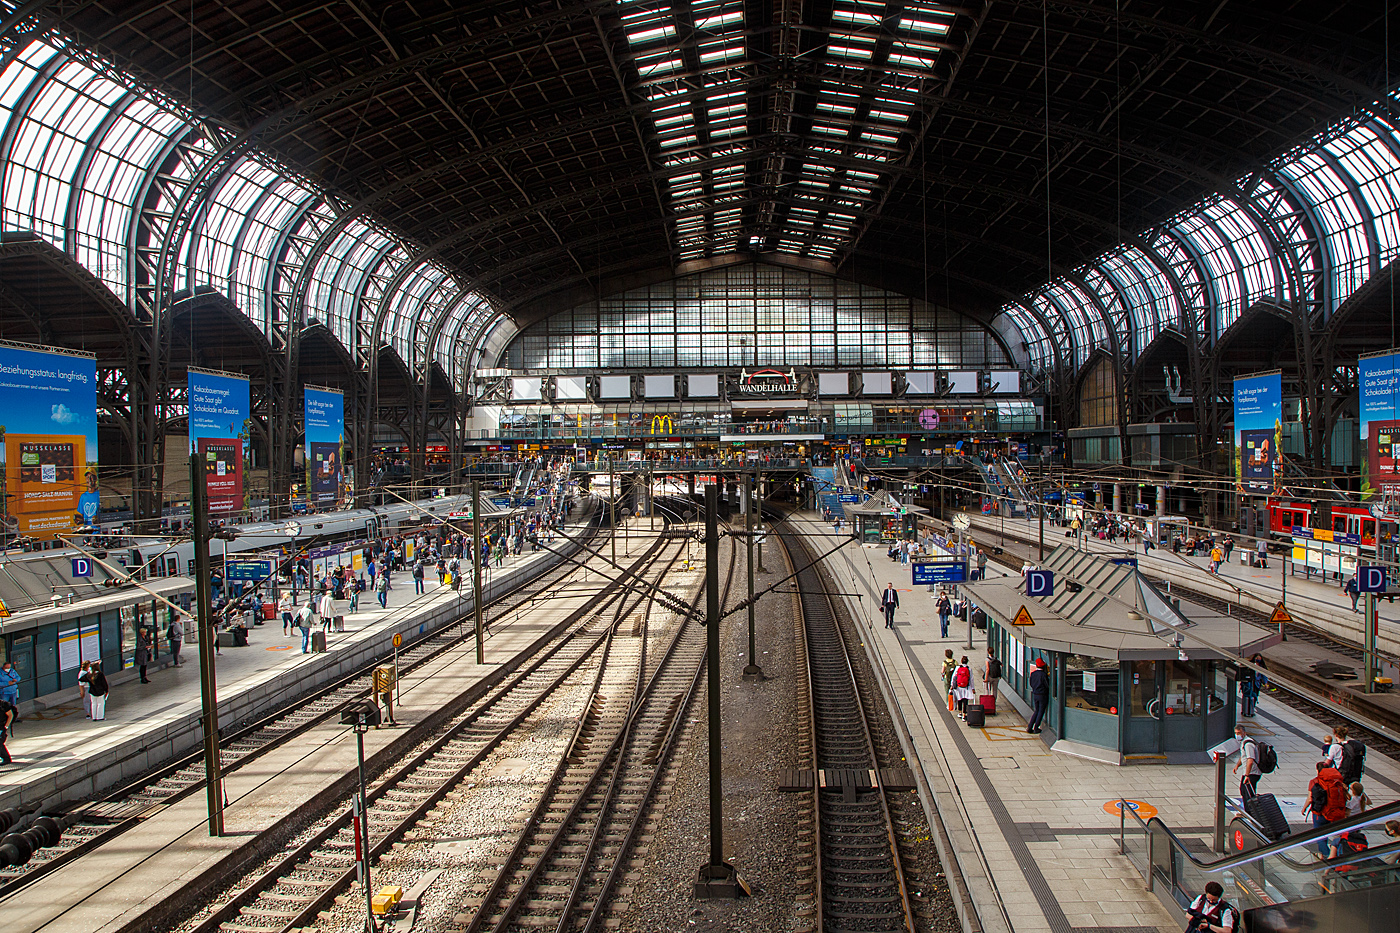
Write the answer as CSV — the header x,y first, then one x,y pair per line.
x,y
45,476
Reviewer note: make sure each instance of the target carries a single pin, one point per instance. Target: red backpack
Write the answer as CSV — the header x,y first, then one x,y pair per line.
x,y
1336,808
962,677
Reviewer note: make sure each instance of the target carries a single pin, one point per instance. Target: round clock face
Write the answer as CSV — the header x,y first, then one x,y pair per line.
x,y
928,419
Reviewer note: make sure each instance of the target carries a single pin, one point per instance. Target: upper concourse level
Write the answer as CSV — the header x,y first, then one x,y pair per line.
x,y
155,201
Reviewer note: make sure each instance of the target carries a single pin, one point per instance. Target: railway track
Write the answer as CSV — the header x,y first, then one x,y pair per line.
x,y
861,882
95,823
566,864
291,891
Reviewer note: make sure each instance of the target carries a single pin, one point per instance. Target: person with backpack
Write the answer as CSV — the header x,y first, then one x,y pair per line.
x,y
381,589
962,686
1353,757
1210,913
991,674
1256,760
949,665
1327,802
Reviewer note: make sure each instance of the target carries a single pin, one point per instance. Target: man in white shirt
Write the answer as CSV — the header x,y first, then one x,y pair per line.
x,y
1248,763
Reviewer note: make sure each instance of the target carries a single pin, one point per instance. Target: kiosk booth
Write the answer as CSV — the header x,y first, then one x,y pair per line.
x,y
1126,681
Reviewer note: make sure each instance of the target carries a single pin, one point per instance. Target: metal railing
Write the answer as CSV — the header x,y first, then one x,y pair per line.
x,y
1273,873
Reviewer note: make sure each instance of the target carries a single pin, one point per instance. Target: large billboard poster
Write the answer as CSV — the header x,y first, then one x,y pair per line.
x,y
325,445
1379,375
1258,431
219,429
49,422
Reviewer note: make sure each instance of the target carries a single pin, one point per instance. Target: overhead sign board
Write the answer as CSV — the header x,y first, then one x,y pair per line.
x,y
927,572
1370,578
1040,583
252,570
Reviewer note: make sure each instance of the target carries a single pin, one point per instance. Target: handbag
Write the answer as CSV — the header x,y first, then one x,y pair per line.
x,y
952,703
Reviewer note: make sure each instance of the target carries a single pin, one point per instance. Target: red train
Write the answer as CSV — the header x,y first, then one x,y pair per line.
x,y
1285,514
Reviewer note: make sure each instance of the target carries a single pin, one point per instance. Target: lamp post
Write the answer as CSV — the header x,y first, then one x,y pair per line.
x,y
361,715
476,570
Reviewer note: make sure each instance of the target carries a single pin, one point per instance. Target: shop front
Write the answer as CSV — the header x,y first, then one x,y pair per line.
x,y
1130,678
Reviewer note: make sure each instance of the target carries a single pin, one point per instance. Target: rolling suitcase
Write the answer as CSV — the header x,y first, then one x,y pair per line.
x,y
976,717
988,702
1265,811
318,642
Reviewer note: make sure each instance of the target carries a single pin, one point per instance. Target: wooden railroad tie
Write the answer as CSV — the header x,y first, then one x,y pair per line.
x,y
800,779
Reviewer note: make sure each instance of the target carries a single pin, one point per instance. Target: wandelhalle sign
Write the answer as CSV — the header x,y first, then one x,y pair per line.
x,y
768,381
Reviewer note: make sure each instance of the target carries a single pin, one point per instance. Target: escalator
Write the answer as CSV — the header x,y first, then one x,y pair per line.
x,y
1277,886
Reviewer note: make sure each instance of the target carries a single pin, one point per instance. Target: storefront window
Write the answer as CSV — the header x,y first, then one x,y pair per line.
x,y
1091,684
1219,688
128,646
1183,688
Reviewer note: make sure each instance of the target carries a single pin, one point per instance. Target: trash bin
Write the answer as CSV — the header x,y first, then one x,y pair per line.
x,y
269,611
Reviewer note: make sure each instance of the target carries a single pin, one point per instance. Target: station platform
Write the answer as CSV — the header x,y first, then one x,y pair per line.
x,y
157,869
1027,835
60,755
1310,601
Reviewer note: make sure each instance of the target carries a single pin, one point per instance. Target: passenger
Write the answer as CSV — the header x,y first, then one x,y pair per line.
x,y
304,620
381,589
287,606
1327,802
143,652
945,609
9,684
948,664
991,674
1209,913
962,687
175,635
1040,696
98,690
1263,554
83,689
8,713
1249,761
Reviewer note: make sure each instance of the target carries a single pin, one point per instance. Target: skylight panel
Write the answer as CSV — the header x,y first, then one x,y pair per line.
x,y
651,35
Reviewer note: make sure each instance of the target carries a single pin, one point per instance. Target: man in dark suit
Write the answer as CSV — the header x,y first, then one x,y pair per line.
x,y
889,602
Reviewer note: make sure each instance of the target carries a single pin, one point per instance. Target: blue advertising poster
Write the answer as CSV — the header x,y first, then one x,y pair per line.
x,y
325,445
220,425
1380,422
49,398
1258,431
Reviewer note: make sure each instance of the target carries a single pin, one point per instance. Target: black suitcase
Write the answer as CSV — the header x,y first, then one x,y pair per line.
x,y
977,718
1265,811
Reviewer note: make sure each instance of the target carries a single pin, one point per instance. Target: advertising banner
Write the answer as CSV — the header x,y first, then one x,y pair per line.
x,y
1258,432
49,399
325,445
220,413
1379,375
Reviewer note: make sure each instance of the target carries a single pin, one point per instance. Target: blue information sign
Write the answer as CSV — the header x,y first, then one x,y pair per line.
x,y
82,566
1370,578
251,570
1040,583
939,571
850,497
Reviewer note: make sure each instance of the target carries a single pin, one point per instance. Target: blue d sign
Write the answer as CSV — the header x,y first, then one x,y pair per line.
x,y
1040,583
1370,579
82,567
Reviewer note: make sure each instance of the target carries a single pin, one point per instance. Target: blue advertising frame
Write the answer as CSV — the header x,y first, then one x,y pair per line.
x,y
1258,402
50,435
220,415
1378,375
324,411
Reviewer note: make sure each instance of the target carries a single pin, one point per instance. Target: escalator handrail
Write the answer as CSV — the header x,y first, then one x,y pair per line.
x,y
1361,856
1288,842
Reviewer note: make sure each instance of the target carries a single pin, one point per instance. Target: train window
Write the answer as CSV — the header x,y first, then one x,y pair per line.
x,y
1339,524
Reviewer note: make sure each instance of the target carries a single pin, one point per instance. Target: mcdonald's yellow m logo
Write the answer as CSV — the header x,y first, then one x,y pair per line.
x,y
665,422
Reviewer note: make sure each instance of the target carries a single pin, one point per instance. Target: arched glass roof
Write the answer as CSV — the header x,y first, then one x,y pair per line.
x,y
1333,202
84,148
